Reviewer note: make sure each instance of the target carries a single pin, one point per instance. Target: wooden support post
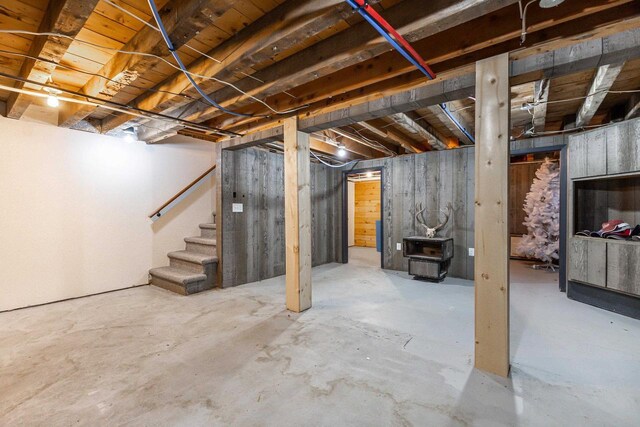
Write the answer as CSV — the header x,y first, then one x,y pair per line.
x,y
491,216
297,208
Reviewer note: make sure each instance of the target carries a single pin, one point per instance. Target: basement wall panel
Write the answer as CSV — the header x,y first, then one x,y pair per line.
x,y
435,179
254,239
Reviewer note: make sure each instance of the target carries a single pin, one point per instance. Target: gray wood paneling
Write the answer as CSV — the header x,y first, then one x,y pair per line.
x,y
521,177
434,179
254,245
623,148
588,154
623,267
587,260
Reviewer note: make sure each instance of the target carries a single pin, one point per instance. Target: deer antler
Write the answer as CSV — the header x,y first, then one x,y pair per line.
x,y
420,216
446,218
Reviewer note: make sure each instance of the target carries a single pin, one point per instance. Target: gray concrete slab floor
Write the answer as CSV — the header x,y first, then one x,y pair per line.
x,y
377,348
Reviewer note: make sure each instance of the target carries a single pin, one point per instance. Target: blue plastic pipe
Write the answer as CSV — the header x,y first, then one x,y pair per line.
x,y
387,36
455,121
175,55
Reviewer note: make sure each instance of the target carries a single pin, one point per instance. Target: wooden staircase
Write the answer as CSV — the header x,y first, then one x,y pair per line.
x,y
192,270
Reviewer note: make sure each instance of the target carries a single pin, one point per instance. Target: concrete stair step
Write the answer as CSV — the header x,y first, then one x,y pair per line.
x,y
201,245
208,230
178,280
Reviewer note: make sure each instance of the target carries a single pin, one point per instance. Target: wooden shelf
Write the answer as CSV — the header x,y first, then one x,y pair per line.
x,y
613,241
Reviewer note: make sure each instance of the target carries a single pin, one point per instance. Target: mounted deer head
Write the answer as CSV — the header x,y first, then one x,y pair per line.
x,y
431,232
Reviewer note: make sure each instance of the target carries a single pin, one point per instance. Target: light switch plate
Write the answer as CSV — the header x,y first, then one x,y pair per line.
x,y
399,246
472,252
237,207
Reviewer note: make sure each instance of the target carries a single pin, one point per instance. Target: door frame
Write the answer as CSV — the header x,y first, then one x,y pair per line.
x,y
345,210
562,279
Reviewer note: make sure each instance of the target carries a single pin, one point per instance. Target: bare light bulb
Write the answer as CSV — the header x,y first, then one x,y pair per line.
x,y
369,174
342,152
53,101
130,134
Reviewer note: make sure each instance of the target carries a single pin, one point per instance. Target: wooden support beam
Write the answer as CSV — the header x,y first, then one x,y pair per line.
x,y
410,125
541,97
491,216
62,16
392,136
605,76
297,215
183,21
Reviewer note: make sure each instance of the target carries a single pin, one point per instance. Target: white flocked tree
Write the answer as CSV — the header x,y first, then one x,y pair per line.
x,y
542,206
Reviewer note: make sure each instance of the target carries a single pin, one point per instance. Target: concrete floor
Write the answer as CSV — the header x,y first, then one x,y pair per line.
x,y
377,348
364,257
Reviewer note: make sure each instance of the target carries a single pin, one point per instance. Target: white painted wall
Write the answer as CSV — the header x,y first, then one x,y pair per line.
x,y
74,207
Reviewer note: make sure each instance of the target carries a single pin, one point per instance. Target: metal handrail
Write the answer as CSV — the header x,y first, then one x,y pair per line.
x,y
157,213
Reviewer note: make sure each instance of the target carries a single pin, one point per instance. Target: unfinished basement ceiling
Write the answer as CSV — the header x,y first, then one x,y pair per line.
x,y
305,58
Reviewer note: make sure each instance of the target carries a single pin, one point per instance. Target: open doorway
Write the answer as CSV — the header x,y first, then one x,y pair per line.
x,y
536,217
362,236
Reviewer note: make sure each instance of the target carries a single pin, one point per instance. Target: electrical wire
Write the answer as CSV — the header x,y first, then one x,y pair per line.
x,y
186,45
77,70
108,50
333,166
116,106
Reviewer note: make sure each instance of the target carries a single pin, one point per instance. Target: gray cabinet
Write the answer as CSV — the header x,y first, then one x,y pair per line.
x,y
587,260
588,154
623,267
623,148
604,172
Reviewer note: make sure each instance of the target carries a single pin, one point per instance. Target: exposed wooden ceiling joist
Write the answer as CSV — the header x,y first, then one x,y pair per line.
x,y
376,76
413,18
385,132
264,40
541,98
418,131
602,82
183,19
62,16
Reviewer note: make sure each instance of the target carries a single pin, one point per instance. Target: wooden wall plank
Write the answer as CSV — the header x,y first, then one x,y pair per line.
x,y
491,211
367,212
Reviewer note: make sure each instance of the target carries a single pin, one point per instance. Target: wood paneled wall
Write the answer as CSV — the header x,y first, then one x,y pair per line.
x,y
254,241
435,179
521,177
367,212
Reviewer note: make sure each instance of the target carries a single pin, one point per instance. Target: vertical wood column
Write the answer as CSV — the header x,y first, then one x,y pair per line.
x,y
219,212
491,215
297,211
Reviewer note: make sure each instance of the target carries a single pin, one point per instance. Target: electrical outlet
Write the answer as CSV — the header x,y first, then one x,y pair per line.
x,y
398,246
472,252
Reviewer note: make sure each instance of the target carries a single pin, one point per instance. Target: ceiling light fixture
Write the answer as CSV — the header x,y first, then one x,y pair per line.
x,y
341,151
130,134
544,4
52,98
